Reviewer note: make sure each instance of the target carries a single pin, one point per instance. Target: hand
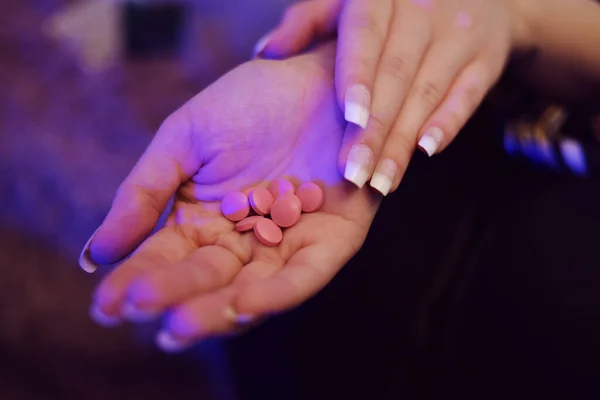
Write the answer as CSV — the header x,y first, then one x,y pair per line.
x,y
263,120
427,63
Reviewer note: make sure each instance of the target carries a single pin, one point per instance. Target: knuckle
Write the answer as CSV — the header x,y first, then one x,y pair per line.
x,y
395,66
365,22
377,125
428,93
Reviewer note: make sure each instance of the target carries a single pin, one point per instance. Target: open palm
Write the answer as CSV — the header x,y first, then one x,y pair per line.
x,y
262,121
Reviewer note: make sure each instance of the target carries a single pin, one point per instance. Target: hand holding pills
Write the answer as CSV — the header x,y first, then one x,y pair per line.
x,y
408,72
261,220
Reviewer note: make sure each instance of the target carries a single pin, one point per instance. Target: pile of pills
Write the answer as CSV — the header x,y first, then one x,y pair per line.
x,y
280,201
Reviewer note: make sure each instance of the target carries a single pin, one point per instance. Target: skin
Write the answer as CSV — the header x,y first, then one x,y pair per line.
x,y
228,138
426,64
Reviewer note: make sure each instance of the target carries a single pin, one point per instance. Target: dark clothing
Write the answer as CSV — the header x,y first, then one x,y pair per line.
x,y
478,280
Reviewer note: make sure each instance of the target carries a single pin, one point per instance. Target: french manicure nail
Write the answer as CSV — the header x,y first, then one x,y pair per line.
x,y
169,344
359,164
102,319
384,176
261,45
132,313
85,259
241,319
357,104
431,140
573,156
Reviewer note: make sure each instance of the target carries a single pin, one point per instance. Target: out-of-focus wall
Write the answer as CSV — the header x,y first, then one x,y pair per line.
x,y
67,138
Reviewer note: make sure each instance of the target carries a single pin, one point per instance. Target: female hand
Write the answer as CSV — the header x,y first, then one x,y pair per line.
x,y
407,71
263,120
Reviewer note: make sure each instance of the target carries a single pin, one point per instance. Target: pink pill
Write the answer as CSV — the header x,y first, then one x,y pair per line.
x,y
280,186
267,232
286,210
247,224
261,200
235,206
311,196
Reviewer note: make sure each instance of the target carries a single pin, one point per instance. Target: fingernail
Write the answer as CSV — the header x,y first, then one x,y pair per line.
x,y
261,45
102,319
132,313
85,258
574,156
241,319
169,344
357,104
359,164
384,176
431,140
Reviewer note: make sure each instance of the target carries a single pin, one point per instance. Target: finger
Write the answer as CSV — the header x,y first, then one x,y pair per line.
x,y
158,251
362,32
170,159
211,314
395,72
207,269
464,97
307,272
441,65
301,24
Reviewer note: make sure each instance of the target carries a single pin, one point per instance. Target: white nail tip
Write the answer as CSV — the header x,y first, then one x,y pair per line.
x,y
85,259
431,140
429,145
357,103
381,183
356,174
134,314
357,114
231,315
261,44
167,343
102,319
574,156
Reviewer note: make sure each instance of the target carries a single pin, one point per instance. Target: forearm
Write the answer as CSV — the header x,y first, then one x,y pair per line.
x,y
565,33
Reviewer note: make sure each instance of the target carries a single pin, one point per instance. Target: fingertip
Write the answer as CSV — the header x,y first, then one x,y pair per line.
x,y
357,104
141,302
104,248
102,318
184,323
431,141
261,45
86,262
168,343
232,315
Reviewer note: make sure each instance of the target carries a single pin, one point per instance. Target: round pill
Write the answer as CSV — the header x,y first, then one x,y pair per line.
x,y
286,210
267,232
247,224
261,200
280,186
311,196
235,206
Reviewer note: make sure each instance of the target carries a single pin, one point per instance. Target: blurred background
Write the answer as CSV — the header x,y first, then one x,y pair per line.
x,y
83,87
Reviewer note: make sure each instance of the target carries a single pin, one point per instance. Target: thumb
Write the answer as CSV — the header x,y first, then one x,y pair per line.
x,y
169,160
302,23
